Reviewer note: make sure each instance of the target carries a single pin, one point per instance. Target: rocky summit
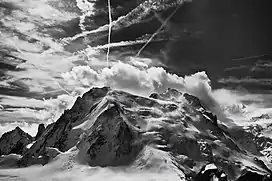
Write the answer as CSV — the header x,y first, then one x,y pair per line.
x,y
171,131
15,142
41,130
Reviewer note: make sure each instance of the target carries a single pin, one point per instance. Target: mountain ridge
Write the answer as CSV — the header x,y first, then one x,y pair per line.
x,y
113,128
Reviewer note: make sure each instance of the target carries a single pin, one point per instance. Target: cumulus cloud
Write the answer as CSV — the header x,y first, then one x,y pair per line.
x,y
124,76
141,80
199,85
55,107
147,79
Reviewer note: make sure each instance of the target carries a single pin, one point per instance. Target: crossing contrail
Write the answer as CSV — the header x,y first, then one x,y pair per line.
x,y
158,30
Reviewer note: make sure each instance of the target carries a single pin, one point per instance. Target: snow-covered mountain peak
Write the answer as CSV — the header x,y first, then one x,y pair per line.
x,y
171,132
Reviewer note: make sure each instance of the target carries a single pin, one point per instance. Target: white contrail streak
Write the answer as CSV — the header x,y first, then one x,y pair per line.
x,y
158,30
249,57
62,88
109,35
123,44
133,17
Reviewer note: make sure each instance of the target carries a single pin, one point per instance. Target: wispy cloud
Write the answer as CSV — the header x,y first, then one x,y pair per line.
x,y
133,17
20,101
29,110
251,81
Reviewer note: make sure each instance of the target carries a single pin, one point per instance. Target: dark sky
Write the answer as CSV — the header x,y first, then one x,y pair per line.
x,y
231,29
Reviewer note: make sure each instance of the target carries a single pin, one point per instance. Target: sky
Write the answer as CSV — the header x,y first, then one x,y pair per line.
x,y
55,50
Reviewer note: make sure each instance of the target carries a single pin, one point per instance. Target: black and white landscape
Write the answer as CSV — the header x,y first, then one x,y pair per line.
x,y
180,91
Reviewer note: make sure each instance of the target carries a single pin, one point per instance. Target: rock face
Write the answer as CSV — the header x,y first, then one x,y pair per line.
x,y
14,141
111,142
41,130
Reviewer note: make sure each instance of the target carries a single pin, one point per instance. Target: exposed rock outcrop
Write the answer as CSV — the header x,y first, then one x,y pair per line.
x,y
111,142
41,130
14,141
60,135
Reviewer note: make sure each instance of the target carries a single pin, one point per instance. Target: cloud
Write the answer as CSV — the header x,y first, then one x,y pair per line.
x,y
81,74
23,33
29,110
26,115
15,101
29,128
124,76
41,73
140,80
263,81
147,79
133,17
199,85
55,107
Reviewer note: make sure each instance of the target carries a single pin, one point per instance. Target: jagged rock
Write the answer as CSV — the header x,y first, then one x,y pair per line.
x,y
251,139
171,94
187,146
61,135
261,164
249,175
193,100
14,141
50,153
111,142
211,172
41,130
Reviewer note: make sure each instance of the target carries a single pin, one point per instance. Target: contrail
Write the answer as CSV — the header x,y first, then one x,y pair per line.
x,y
124,43
158,30
109,35
133,17
49,92
62,88
249,57
19,50
52,78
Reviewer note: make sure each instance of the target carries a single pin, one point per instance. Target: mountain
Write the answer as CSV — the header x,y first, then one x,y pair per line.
x,y
14,141
169,133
